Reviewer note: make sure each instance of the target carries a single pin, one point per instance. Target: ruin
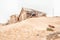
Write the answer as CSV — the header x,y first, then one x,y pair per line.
x,y
13,19
25,14
29,13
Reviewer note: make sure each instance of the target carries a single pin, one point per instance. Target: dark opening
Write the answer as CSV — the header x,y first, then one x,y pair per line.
x,y
33,14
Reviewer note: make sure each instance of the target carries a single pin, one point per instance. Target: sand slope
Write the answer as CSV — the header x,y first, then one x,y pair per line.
x,y
29,29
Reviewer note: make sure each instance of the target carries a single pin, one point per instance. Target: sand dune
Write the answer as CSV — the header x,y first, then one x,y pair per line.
x,y
29,29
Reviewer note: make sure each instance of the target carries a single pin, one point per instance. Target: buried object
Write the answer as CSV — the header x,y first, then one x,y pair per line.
x,y
54,36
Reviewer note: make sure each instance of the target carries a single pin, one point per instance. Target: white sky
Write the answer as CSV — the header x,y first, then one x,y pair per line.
x,y
10,7
57,7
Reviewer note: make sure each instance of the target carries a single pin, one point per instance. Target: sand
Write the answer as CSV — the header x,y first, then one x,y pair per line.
x,y
30,29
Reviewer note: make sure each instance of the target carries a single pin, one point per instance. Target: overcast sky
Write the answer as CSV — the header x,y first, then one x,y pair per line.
x,y
10,7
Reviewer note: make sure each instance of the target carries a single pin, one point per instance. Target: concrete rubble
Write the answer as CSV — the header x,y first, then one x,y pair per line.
x,y
25,14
